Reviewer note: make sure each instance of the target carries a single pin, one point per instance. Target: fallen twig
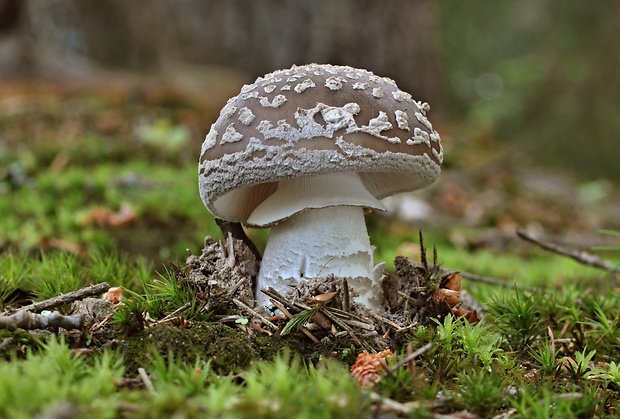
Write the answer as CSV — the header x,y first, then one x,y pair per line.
x,y
243,306
389,405
411,357
146,380
102,322
280,298
175,312
397,328
290,316
351,322
348,328
346,298
493,281
30,321
67,298
582,257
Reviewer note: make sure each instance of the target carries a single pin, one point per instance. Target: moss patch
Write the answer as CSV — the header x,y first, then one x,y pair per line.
x,y
228,349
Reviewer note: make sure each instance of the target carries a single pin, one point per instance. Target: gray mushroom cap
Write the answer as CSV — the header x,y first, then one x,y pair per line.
x,y
314,119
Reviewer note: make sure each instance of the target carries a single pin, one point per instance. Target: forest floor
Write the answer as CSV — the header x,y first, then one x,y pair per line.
x,y
98,185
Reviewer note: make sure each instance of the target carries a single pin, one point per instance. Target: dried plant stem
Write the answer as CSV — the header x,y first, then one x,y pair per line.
x,y
277,297
290,316
582,257
411,356
493,281
346,299
67,298
397,328
243,306
146,380
175,312
348,328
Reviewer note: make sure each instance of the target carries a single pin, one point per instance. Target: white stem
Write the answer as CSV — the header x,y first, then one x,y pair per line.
x,y
317,242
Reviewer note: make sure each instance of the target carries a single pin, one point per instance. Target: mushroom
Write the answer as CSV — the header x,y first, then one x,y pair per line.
x,y
306,151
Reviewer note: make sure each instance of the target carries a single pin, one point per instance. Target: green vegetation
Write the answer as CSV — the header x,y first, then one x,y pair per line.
x,y
547,352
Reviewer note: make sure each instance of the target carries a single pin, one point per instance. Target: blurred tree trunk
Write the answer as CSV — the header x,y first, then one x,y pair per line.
x,y
395,39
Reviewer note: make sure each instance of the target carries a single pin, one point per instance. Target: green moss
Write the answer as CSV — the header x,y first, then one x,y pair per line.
x,y
16,342
228,349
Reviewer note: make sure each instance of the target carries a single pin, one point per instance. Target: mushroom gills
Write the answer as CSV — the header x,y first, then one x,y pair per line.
x,y
318,191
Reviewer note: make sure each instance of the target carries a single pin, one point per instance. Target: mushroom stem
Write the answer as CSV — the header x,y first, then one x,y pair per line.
x,y
318,242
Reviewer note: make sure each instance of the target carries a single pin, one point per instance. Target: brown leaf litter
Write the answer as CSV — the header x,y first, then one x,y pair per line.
x,y
223,277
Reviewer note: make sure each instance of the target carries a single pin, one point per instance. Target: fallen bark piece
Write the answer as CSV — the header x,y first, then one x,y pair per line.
x,y
30,321
92,310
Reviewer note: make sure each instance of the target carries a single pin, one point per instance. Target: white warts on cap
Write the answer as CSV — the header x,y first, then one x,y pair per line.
x,y
275,103
402,120
401,96
419,137
377,92
246,116
424,121
210,140
303,86
378,124
335,82
229,111
267,121
231,135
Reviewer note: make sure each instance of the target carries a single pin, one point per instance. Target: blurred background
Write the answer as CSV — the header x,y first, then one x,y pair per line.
x,y
524,94
540,75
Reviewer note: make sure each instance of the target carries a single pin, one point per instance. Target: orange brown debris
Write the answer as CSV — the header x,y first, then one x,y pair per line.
x,y
105,217
367,369
113,295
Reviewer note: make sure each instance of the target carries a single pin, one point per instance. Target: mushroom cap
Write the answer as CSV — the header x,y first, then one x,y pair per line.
x,y
313,119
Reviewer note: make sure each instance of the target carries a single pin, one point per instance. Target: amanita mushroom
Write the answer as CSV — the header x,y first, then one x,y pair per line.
x,y
306,151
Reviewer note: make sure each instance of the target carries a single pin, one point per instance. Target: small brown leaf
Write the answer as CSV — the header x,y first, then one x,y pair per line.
x,y
454,282
321,298
320,320
470,316
450,297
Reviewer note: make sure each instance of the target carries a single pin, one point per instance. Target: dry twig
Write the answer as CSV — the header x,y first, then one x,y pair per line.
x,y
408,358
67,298
582,257
243,306
290,316
493,281
397,328
30,321
146,380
